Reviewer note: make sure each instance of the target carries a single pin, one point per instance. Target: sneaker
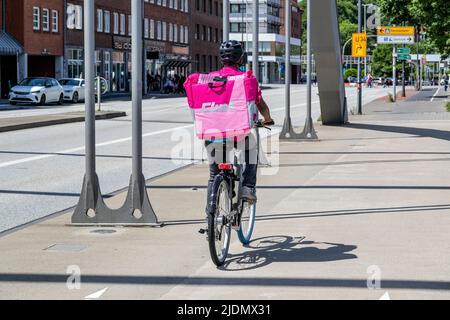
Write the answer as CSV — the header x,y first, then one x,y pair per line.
x,y
249,194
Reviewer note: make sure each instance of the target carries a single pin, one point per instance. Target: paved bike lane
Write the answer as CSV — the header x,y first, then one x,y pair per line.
x,y
362,212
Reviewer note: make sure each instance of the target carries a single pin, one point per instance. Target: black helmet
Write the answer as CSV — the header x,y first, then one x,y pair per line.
x,y
231,51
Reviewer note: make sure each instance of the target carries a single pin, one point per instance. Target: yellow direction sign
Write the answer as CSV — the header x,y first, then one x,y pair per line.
x,y
359,45
395,31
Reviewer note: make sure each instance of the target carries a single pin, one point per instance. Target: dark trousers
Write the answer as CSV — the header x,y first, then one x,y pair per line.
x,y
215,150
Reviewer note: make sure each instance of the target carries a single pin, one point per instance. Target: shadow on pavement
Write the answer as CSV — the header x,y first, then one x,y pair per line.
x,y
419,132
276,249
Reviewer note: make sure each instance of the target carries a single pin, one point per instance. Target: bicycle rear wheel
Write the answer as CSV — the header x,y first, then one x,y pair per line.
x,y
248,215
219,228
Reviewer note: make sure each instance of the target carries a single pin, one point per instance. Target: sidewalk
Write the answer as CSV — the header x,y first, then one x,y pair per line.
x,y
370,198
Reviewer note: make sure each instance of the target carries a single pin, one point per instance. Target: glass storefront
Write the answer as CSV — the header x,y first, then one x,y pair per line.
x,y
75,63
118,76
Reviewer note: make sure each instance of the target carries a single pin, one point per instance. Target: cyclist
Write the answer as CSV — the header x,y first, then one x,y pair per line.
x,y
232,57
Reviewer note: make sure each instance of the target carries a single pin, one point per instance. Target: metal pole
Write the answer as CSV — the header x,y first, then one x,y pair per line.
x,y
308,131
394,71
365,31
287,61
89,71
255,39
136,87
403,79
226,20
359,62
87,210
99,94
288,133
418,61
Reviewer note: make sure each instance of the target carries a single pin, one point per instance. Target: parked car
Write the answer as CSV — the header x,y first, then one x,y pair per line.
x,y
377,81
37,91
73,89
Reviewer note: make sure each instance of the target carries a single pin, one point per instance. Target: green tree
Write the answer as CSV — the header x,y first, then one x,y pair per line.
x,y
346,29
433,16
352,72
382,60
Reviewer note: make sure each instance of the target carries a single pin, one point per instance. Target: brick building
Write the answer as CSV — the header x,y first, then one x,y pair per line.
x,y
31,40
166,39
271,35
207,34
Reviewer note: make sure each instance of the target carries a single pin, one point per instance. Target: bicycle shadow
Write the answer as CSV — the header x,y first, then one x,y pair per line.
x,y
275,249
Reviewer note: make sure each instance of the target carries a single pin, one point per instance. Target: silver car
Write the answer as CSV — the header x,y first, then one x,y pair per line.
x,y
37,91
73,89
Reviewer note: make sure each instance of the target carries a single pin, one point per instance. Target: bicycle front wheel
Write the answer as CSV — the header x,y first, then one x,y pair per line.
x,y
247,224
219,228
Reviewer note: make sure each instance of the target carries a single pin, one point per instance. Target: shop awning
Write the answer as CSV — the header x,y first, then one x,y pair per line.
x,y
174,63
9,45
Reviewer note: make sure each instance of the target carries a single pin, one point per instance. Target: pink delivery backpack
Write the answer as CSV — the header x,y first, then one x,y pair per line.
x,y
223,107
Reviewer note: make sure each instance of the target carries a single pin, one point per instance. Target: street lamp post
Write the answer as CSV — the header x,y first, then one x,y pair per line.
x,y
288,133
255,39
226,20
359,61
308,131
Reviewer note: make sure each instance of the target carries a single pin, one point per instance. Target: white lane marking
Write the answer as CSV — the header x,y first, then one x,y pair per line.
x,y
385,296
106,143
96,295
435,94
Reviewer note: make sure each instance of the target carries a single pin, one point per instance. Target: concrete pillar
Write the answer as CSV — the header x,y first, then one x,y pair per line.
x,y
59,67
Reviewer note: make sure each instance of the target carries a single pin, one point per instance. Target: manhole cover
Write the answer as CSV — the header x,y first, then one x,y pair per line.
x,y
104,231
66,247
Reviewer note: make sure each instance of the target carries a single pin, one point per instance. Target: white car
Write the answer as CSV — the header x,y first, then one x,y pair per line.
x,y
73,89
37,91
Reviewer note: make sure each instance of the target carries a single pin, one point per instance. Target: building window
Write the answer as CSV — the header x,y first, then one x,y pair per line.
x,y
210,7
146,31
171,4
159,30
186,34
36,18
204,33
210,63
152,29
216,7
107,17
175,33
175,5
204,5
99,20
186,5
164,3
197,5
75,63
197,62
170,32
71,16
181,5
45,20
107,64
122,24
129,25
197,32
55,21
216,39
164,31
208,34
159,2
181,34
116,22
204,62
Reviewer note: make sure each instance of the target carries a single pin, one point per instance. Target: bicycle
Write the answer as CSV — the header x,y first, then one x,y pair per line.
x,y
227,209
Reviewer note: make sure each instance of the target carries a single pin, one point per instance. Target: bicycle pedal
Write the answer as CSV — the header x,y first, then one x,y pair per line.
x,y
203,231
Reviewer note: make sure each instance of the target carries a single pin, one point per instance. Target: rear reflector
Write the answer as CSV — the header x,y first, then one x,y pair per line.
x,y
225,166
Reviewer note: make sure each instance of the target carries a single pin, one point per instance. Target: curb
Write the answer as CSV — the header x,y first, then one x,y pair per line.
x,y
46,123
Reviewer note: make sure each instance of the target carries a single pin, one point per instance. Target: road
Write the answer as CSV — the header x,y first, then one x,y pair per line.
x,y
42,168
